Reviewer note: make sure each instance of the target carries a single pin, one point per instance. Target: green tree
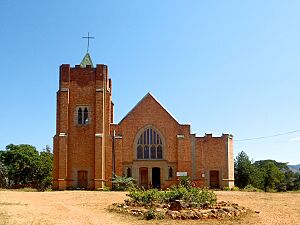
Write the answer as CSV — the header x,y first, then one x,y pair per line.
x,y
21,161
3,175
243,170
27,167
272,176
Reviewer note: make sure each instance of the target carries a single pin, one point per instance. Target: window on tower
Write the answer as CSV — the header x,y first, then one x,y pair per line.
x,y
82,116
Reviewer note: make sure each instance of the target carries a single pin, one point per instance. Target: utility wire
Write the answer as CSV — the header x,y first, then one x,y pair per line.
x,y
270,136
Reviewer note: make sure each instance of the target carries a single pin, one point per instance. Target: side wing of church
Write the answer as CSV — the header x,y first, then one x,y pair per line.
x,y
148,144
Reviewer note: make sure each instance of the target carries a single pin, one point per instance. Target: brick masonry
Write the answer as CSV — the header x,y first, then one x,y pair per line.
x,y
89,147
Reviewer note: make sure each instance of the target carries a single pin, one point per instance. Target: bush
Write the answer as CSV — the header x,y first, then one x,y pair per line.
x,y
123,183
235,189
194,197
250,188
145,197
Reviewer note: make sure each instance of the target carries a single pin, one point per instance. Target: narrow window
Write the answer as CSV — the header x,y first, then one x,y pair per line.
x,y
159,152
170,172
153,152
85,116
129,172
146,152
139,152
79,116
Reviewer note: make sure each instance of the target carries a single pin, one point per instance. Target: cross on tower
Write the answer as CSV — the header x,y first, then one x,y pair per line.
x,y
88,38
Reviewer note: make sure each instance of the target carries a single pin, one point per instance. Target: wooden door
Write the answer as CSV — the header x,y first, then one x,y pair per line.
x,y
144,177
82,179
214,179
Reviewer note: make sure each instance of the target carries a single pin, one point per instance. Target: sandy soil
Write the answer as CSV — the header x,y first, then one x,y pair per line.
x,y
88,207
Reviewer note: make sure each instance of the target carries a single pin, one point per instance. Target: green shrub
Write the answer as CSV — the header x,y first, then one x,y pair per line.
x,y
226,189
250,188
235,189
185,182
123,183
145,197
150,214
194,197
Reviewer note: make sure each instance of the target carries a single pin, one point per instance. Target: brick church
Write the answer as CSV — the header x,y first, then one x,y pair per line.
x,y
148,144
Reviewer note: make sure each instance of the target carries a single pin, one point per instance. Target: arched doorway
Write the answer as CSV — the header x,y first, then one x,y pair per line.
x,y
156,177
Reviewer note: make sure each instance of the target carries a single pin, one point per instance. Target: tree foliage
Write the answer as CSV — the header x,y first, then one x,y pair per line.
x,y
25,166
264,174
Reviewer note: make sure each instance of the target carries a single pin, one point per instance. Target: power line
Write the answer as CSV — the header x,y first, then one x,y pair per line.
x,y
270,136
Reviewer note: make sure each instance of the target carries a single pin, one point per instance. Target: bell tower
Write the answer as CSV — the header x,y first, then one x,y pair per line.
x,y
82,142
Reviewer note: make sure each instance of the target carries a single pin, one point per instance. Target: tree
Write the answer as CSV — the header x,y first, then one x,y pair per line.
x,y
3,175
272,176
27,167
243,170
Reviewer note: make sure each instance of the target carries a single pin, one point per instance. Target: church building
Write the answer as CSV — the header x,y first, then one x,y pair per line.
x,y
148,144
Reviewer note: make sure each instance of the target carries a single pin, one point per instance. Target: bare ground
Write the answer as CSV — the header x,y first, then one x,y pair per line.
x,y
90,207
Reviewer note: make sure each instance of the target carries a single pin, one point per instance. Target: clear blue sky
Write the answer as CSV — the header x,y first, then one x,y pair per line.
x,y
222,66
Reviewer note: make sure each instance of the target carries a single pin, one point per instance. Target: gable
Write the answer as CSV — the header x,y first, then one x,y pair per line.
x,y
149,102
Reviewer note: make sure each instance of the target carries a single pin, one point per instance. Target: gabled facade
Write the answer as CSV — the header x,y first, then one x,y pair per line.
x,y
148,143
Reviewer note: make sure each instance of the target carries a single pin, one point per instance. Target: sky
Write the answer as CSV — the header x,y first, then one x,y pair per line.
x,y
221,66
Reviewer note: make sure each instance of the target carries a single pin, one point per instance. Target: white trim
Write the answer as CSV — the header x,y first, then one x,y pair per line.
x,y
99,135
62,134
64,89
99,89
180,135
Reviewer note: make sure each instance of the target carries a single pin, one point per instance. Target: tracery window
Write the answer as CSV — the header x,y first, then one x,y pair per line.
x,y
149,145
82,115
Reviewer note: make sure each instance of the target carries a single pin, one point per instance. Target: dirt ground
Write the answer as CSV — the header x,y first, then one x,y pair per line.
x,y
90,207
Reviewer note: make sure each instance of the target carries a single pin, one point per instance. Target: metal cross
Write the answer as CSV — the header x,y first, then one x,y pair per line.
x,y
88,38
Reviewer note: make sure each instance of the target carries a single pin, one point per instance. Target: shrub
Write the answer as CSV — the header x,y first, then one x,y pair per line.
x,y
194,197
185,182
150,214
250,188
145,197
235,189
123,183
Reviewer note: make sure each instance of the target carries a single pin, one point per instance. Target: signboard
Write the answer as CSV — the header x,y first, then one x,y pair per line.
x,y
181,174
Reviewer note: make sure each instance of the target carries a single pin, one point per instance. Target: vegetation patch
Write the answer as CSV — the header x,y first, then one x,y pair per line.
x,y
180,202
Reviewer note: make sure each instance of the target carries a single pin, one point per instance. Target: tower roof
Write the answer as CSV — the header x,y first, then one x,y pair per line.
x,y
87,60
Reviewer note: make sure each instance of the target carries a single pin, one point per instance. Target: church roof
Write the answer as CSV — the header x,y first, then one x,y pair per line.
x,y
149,94
87,60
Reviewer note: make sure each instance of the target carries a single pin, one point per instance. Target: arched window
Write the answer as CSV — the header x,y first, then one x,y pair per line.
x,y
149,145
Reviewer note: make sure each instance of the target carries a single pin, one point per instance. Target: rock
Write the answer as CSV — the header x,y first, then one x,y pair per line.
x,y
173,214
175,206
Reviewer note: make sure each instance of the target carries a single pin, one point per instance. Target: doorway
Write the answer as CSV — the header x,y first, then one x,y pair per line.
x,y
156,177
214,179
144,177
82,179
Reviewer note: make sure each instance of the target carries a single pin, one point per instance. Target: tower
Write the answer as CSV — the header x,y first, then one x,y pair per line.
x,y
82,141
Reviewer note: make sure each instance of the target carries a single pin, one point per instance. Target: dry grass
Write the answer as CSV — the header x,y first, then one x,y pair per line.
x,y
88,207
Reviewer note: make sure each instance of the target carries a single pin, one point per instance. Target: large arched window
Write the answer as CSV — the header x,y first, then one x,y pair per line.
x,y
149,145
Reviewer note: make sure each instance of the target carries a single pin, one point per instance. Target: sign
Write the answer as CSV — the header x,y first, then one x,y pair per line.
x,y
181,174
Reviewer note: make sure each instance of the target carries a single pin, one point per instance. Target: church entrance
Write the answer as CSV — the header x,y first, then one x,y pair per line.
x,y
144,177
156,177
214,179
82,179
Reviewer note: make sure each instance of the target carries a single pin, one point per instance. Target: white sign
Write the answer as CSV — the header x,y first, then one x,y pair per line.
x,y
181,174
